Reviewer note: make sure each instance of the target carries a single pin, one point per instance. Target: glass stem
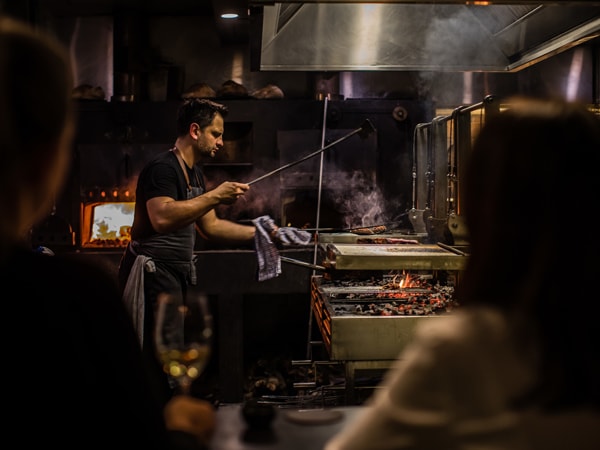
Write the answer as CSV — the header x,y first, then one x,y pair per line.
x,y
185,385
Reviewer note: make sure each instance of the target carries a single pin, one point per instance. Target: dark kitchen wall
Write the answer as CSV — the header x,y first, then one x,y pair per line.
x,y
150,59
115,139
186,45
190,48
191,45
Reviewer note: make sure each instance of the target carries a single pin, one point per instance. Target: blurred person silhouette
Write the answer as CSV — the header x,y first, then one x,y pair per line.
x,y
517,366
73,355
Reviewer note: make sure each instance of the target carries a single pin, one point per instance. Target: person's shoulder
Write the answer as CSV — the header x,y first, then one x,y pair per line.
x,y
164,163
80,271
80,264
575,428
68,276
164,158
38,261
464,325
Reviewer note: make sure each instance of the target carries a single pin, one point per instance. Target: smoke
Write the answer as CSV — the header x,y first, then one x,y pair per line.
x,y
365,209
458,36
360,201
454,38
263,198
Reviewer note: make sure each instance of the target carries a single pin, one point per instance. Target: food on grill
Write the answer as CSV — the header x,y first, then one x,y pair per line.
x,y
385,240
369,230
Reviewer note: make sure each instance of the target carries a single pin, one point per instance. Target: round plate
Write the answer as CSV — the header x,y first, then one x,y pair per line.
x,y
314,416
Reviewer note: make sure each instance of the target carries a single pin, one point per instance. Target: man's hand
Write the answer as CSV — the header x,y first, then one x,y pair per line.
x,y
291,237
229,191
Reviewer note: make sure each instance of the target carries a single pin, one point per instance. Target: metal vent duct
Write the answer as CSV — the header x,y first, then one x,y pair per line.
x,y
440,36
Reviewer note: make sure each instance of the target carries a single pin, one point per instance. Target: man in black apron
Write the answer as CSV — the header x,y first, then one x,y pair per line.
x,y
171,201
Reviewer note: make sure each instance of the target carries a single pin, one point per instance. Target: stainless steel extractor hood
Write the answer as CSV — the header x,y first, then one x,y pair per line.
x,y
411,35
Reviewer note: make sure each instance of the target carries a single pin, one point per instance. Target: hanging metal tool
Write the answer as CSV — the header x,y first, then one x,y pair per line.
x,y
310,342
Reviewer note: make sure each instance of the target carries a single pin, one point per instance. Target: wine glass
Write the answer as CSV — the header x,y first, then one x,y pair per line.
x,y
183,337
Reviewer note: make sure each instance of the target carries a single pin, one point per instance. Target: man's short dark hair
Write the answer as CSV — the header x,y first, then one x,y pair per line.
x,y
198,110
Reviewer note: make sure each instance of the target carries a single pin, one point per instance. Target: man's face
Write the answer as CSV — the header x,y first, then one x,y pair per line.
x,y
210,140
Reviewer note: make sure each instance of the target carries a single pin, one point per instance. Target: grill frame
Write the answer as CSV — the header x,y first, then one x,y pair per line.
x,y
344,256
361,338
366,343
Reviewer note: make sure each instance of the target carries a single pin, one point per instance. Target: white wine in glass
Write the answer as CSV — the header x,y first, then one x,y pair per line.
x,y
183,336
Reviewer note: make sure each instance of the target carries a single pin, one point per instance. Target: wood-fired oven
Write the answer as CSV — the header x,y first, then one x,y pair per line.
x,y
106,218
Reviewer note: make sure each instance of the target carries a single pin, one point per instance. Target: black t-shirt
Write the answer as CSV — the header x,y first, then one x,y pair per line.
x,y
161,177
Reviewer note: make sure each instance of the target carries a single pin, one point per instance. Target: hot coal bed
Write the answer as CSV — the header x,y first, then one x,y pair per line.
x,y
392,294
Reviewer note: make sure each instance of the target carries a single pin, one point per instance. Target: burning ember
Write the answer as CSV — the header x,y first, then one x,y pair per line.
x,y
396,295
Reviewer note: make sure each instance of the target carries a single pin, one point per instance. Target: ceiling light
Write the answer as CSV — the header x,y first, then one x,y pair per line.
x,y
229,16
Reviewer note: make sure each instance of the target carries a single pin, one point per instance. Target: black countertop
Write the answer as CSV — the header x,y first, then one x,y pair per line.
x,y
291,429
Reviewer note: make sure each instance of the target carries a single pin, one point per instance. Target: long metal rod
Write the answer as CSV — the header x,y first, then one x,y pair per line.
x,y
311,155
345,230
451,249
320,186
302,263
309,342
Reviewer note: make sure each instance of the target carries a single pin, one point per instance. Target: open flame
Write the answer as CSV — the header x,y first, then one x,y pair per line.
x,y
403,281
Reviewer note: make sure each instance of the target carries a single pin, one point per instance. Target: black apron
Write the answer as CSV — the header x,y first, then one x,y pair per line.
x,y
175,264
173,253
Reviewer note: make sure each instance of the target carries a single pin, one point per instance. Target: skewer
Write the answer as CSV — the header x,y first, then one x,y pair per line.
x,y
366,129
302,263
451,249
347,230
